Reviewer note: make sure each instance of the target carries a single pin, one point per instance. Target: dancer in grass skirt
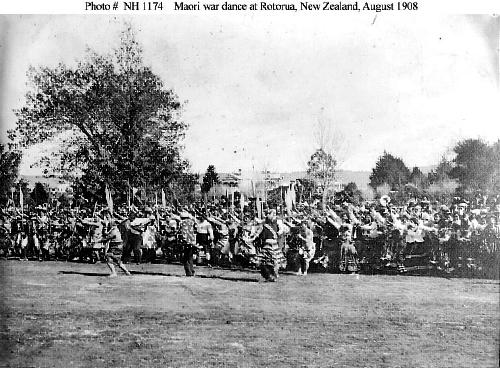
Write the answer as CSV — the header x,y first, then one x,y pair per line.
x,y
269,250
348,253
114,247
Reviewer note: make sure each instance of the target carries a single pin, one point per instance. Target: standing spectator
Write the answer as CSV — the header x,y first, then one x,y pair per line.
x,y
204,238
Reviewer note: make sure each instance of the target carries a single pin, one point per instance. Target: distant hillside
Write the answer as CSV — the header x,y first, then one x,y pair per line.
x,y
426,169
51,182
361,178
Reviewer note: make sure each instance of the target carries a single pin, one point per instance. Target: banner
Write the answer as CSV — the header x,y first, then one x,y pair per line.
x,y
293,195
21,198
288,201
163,199
109,199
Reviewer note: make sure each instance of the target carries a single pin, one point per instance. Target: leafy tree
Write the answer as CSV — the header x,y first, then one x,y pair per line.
x,y
118,124
389,170
475,165
274,197
495,175
353,193
209,179
321,168
442,172
64,200
9,168
305,190
182,190
351,187
39,194
418,178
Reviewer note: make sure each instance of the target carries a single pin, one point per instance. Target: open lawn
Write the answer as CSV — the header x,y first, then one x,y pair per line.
x,y
57,314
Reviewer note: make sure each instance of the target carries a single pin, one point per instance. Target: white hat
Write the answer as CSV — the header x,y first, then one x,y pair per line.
x,y
385,200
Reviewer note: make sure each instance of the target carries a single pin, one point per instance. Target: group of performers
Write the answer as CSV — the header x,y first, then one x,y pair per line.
x,y
337,237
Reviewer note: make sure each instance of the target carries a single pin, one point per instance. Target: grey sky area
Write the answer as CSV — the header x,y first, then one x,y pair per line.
x,y
256,86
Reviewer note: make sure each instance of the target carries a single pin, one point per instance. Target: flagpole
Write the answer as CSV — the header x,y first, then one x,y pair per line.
x,y
128,194
21,199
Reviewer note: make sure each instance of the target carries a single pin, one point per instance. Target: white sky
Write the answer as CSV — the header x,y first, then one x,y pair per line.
x,y
256,86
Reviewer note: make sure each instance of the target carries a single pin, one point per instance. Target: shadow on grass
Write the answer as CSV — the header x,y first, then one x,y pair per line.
x,y
242,279
94,274
83,273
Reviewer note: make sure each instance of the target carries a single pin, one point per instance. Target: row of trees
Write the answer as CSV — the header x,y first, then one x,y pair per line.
x,y
475,167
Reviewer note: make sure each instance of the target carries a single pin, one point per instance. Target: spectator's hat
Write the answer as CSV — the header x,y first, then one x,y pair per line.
x,y
385,200
444,208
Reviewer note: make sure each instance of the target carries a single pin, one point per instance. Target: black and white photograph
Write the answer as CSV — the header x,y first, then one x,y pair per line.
x,y
251,190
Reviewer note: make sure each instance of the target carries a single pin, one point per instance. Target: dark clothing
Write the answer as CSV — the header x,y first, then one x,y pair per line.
x,y
134,243
187,259
268,253
203,241
268,272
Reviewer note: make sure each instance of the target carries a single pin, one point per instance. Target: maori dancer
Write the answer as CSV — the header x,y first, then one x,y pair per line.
x,y
348,253
269,250
187,239
114,247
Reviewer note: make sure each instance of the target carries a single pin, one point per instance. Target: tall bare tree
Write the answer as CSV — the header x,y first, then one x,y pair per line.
x,y
329,154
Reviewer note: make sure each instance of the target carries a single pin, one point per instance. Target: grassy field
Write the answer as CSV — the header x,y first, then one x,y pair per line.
x,y
57,314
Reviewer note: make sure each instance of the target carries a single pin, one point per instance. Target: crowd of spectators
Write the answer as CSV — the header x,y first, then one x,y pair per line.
x,y
419,236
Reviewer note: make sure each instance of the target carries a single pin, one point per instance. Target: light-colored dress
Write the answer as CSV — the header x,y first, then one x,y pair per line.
x,y
308,248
